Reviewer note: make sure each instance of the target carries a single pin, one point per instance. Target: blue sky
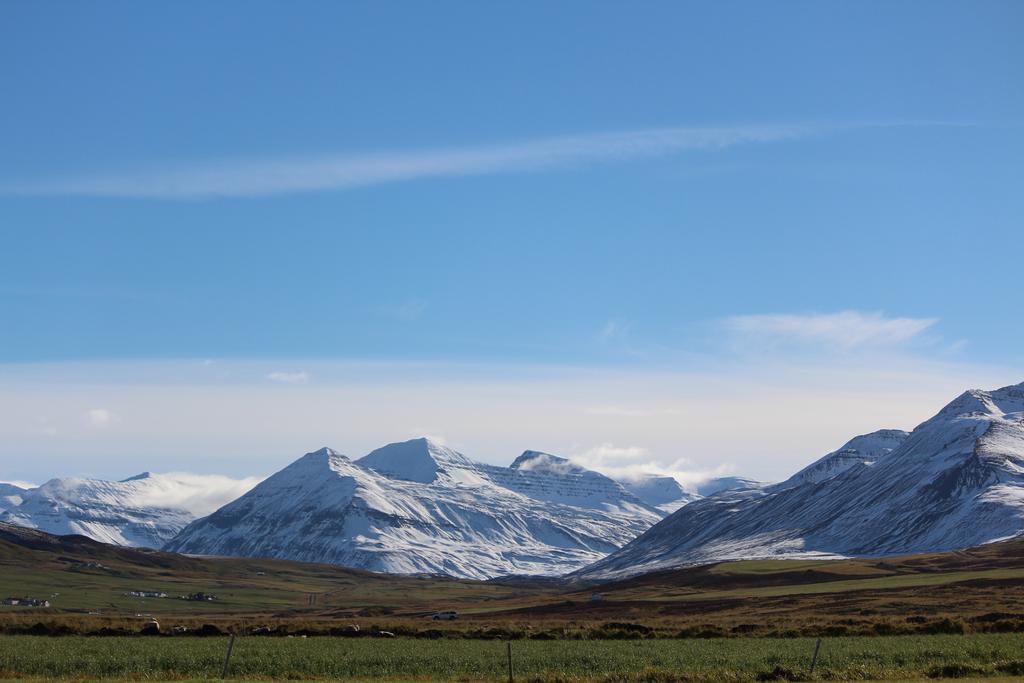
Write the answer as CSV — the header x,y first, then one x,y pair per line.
x,y
650,205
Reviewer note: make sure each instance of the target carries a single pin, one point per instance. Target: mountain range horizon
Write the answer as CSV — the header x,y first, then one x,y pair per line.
x,y
418,506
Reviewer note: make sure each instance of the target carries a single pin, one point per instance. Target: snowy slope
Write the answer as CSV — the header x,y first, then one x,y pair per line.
x,y
663,492
957,480
713,486
545,477
668,495
10,495
145,510
859,451
419,507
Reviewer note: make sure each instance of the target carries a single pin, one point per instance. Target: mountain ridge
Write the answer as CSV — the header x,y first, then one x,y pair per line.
x,y
957,480
143,510
420,507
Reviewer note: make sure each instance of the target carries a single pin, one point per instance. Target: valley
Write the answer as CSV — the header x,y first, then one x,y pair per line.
x,y
973,591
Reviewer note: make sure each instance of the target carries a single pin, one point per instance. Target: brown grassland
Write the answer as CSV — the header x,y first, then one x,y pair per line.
x,y
942,615
980,590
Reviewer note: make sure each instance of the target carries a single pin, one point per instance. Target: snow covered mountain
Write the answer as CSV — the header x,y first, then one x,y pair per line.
x,y
420,507
719,484
668,495
957,480
663,492
10,495
859,451
144,510
550,478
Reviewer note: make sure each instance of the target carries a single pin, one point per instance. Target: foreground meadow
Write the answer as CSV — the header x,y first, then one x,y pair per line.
x,y
736,659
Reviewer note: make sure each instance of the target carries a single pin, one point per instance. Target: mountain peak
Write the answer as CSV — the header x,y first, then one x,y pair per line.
x,y
956,481
1009,399
321,455
138,477
419,460
325,452
418,506
662,491
996,403
864,449
539,461
875,444
317,461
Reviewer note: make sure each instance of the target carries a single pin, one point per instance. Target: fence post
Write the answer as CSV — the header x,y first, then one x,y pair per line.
x,y
510,661
814,659
227,657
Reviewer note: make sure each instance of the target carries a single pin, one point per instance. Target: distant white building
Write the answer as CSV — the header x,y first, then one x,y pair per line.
x,y
26,602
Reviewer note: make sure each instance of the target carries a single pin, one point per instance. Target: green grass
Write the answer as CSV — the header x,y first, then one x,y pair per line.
x,y
786,566
241,585
864,658
849,585
648,679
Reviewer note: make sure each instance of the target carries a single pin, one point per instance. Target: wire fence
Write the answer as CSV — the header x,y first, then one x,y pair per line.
x,y
734,659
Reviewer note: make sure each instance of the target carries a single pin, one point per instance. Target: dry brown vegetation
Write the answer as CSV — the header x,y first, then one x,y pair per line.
x,y
976,591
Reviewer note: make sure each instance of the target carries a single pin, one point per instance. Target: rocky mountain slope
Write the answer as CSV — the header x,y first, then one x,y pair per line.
x,y
956,481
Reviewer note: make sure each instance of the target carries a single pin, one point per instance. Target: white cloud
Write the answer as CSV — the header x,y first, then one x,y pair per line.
x,y
844,330
559,466
766,417
635,462
101,417
256,177
200,494
19,484
618,462
288,377
608,454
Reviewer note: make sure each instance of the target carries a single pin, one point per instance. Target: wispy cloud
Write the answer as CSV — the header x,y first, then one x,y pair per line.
x,y
100,417
844,330
636,462
20,484
617,335
200,494
256,177
791,411
288,377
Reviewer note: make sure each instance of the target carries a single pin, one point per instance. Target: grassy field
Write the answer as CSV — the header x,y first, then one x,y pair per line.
x,y
942,615
740,659
975,591
91,577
